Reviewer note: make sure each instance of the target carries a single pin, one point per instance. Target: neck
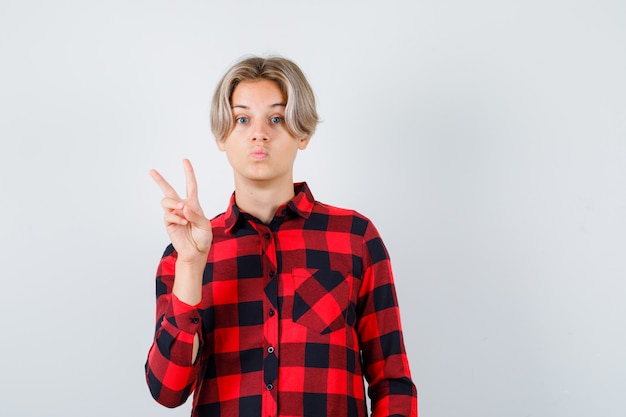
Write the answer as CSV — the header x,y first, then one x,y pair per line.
x,y
262,200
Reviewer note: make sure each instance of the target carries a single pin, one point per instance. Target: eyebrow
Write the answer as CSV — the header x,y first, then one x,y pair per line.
x,y
241,106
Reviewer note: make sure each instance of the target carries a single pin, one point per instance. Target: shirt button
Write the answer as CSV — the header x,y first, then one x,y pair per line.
x,y
267,236
271,274
271,313
269,387
270,349
195,320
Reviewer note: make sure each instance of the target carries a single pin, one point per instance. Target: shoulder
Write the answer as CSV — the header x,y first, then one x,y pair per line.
x,y
218,220
358,223
330,210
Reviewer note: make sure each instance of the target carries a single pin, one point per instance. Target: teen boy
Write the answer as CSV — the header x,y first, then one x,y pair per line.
x,y
282,305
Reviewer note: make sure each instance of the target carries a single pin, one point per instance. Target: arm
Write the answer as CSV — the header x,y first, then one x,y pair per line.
x,y
171,368
385,363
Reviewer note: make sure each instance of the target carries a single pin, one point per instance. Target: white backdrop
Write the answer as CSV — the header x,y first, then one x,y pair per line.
x,y
485,139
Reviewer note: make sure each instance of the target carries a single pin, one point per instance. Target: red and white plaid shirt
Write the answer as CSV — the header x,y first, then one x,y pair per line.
x,y
293,315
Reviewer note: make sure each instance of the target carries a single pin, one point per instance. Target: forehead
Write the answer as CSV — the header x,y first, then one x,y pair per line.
x,y
257,92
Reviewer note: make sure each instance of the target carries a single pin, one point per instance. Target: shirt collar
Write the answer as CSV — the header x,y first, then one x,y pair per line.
x,y
301,205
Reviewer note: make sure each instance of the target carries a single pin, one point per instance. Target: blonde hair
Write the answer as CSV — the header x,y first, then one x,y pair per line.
x,y
300,113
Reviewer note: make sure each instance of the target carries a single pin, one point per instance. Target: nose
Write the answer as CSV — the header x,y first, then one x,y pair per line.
x,y
260,131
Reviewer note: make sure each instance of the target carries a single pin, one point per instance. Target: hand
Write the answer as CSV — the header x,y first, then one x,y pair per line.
x,y
189,230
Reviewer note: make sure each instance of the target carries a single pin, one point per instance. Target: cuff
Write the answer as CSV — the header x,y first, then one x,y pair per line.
x,y
184,316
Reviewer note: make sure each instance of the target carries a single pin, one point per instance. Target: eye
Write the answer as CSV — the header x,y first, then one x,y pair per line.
x,y
242,120
277,119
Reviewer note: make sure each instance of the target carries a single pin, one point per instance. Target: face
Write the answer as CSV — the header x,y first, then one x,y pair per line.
x,y
260,148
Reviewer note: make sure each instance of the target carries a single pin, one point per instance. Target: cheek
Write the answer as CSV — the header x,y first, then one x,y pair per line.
x,y
233,159
235,151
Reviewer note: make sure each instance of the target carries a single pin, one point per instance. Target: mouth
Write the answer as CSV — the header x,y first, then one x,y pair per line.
x,y
258,153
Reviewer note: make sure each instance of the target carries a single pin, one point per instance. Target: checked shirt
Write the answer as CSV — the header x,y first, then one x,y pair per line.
x,y
294,315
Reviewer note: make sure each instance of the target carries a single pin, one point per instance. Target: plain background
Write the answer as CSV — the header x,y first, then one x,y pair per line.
x,y
485,139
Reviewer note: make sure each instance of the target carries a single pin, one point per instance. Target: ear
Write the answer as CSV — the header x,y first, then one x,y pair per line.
x,y
303,143
221,144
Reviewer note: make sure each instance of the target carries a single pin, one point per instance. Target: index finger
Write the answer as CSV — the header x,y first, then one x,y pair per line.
x,y
167,189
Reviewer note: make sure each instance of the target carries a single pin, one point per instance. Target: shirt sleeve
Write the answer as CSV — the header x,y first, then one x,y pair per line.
x,y
385,362
170,373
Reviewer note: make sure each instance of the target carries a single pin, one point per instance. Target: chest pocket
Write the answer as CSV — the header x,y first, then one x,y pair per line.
x,y
322,300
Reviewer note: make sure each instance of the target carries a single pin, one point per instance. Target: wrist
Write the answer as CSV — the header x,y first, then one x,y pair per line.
x,y
192,262
195,258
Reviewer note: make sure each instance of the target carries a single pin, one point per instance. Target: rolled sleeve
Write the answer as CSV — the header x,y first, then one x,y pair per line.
x,y
170,372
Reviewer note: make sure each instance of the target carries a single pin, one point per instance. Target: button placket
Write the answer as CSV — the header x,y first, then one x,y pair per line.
x,y
270,326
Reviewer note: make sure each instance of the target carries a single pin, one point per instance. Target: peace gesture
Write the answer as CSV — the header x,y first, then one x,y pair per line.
x,y
188,228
